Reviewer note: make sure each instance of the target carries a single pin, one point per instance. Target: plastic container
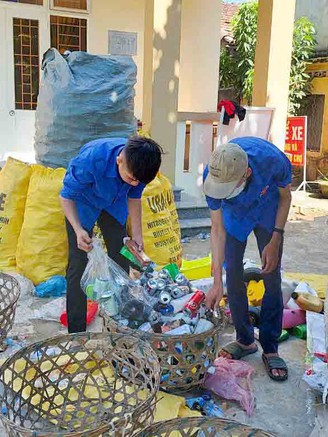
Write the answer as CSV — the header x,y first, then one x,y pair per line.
x,y
92,308
197,269
293,318
255,292
307,302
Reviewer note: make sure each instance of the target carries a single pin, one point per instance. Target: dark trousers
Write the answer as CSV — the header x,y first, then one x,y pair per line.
x,y
272,304
76,304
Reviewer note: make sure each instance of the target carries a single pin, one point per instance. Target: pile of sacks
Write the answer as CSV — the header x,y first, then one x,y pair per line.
x,y
33,239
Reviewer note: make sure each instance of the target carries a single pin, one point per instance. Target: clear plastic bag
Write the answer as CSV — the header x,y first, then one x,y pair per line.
x,y
102,274
106,282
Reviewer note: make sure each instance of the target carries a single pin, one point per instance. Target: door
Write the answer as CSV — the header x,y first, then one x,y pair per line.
x,y
24,39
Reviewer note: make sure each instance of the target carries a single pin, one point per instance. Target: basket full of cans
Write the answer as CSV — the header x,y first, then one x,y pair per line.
x,y
163,308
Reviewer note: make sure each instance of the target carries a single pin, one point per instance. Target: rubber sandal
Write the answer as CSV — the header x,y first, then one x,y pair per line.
x,y
275,363
236,351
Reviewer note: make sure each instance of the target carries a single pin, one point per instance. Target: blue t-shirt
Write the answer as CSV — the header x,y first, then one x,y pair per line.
x,y
257,204
93,182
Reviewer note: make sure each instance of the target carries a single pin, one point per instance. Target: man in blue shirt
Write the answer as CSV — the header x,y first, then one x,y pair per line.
x,y
247,187
104,184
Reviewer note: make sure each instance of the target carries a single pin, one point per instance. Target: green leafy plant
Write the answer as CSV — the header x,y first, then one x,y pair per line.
x,y
303,48
237,62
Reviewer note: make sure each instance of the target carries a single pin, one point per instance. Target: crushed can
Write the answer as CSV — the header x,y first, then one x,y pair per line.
x,y
164,274
166,309
155,321
109,303
152,287
213,316
179,291
180,279
161,284
165,297
100,286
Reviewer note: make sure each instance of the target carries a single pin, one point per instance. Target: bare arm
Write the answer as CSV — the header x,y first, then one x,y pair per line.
x,y
218,236
70,211
134,207
284,207
270,255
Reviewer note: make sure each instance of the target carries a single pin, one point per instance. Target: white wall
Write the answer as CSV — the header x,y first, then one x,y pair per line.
x,y
199,55
316,11
124,15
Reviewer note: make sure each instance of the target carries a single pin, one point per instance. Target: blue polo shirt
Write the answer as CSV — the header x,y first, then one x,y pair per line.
x,y
93,182
257,204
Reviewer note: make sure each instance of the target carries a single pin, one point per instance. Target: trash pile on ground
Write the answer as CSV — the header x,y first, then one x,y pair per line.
x,y
160,306
161,302
298,298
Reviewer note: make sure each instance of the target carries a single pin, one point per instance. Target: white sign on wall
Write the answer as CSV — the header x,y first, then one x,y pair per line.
x,y
122,43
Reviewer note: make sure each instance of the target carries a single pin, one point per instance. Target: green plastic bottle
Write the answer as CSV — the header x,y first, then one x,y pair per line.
x,y
128,255
284,336
173,270
299,331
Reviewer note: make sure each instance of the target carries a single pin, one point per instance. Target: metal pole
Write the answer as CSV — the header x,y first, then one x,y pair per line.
x,y
305,155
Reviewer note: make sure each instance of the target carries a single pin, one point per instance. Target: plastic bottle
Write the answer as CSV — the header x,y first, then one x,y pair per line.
x,y
299,331
203,326
307,302
284,336
178,304
211,409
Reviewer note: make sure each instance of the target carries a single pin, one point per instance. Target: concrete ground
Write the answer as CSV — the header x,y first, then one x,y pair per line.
x,y
286,409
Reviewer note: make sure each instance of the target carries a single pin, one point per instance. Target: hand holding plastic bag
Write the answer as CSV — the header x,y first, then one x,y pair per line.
x,y
106,282
102,274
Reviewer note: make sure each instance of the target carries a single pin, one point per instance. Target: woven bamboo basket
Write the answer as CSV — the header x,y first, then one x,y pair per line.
x,y
79,385
9,295
201,427
324,188
184,359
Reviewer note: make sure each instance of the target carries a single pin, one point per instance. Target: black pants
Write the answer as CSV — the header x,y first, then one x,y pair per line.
x,y
76,304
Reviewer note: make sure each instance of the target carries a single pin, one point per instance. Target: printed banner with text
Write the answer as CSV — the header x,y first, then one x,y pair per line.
x,y
295,143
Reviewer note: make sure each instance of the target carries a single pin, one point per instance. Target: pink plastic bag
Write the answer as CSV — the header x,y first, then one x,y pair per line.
x,y
232,380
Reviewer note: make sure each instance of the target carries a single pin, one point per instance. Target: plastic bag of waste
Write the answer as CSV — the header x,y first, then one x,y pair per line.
x,y
231,379
53,287
107,283
82,97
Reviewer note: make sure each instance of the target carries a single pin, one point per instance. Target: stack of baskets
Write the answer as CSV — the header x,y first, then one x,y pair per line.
x,y
184,359
80,385
201,427
9,295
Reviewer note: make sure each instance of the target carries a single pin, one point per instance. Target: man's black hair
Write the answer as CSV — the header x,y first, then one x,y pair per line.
x,y
143,158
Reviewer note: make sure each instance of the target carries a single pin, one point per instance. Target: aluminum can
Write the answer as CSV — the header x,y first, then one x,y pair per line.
x,y
194,303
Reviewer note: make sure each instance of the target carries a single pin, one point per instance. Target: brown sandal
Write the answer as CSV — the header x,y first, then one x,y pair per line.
x,y
236,351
